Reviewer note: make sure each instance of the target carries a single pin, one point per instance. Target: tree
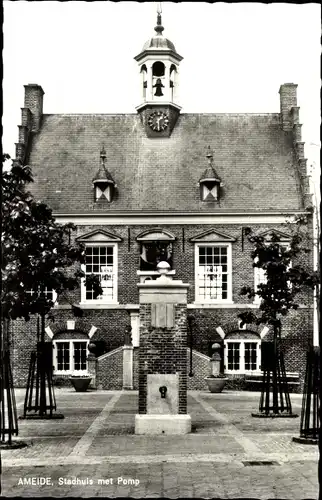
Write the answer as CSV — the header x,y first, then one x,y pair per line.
x,y
37,255
287,274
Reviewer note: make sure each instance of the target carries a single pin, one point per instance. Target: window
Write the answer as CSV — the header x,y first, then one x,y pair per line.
x,y
242,356
213,272
209,190
70,356
158,68
104,191
103,182
260,276
49,293
155,246
154,252
101,260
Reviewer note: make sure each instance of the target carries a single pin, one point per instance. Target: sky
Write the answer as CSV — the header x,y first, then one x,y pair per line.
x,y
236,56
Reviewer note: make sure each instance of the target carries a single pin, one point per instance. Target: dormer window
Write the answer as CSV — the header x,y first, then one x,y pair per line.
x,y
210,182
103,191
104,185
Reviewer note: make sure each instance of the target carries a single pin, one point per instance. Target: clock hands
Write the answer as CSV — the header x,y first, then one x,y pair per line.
x,y
158,120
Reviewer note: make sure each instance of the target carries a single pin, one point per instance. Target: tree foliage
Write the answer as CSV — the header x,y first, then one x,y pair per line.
x,y
37,253
287,274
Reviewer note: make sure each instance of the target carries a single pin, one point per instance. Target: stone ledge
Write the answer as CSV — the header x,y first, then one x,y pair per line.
x,y
162,424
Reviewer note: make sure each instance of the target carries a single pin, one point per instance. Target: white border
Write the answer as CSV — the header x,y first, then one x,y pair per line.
x,y
242,370
71,371
229,299
114,301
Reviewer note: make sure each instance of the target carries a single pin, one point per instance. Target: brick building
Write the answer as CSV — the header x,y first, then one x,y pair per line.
x,y
161,184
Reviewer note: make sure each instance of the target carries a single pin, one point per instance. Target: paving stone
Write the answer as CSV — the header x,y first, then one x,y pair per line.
x,y
207,463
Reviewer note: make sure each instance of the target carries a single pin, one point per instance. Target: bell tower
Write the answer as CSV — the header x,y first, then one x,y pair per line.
x,y
159,69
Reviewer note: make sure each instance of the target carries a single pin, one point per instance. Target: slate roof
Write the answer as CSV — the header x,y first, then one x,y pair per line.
x,y
103,175
253,158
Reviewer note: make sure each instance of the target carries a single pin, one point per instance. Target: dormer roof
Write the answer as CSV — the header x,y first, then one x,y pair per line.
x,y
103,175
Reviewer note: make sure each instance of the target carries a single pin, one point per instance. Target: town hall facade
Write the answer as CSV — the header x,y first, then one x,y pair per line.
x,y
163,185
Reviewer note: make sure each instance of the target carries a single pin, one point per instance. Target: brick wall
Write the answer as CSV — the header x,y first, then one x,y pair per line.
x,y
34,101
200,370
163,350
110,370
183,256
23,340
136,368
111,323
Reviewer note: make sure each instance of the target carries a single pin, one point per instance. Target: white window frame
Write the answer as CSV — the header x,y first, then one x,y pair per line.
x,y
229,299
242,342
46,291
103,300
103,194
71,371
260,276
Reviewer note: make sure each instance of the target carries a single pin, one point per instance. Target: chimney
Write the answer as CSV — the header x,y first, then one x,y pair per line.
x,y
34,101
288,100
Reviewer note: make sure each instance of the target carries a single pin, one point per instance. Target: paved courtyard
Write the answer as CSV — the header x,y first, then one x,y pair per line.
x,y
93,451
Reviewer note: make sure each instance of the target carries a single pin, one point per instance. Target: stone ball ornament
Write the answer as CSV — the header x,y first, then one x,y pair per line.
x,y
163,267
92,347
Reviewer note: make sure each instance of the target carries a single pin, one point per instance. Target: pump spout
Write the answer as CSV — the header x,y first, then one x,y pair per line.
x,y
163,391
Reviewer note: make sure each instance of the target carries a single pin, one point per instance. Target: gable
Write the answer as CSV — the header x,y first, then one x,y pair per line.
x,y
158,235
210,236
99,236
268,235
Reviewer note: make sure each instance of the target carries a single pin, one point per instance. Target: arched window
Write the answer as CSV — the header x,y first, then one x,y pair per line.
x,y
242,352
173,75
144,79
70,353
158,69
155,246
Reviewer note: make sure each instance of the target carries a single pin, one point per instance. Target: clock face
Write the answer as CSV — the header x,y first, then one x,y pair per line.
x,y
158,121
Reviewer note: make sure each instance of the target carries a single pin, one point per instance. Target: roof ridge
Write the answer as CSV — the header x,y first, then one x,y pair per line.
x,y
181,114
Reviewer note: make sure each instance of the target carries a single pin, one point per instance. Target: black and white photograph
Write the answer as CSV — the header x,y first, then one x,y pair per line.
x,y
160,242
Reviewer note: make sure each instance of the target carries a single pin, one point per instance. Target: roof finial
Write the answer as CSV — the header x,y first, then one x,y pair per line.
x,y
209,155
103,155
159,28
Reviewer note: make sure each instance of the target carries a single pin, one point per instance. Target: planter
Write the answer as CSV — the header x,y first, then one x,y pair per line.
x,y
216,384
80,384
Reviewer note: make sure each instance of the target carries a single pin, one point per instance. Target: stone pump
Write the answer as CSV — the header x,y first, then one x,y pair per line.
x,y
163,356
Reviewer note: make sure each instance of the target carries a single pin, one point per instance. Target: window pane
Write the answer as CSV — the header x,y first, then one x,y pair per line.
x,y
80,354
233,355
153,252
250,355
63,356
212,274
100,261
48,292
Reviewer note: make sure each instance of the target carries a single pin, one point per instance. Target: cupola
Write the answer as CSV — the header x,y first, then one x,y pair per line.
x,y
158,66
210,181
104,185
